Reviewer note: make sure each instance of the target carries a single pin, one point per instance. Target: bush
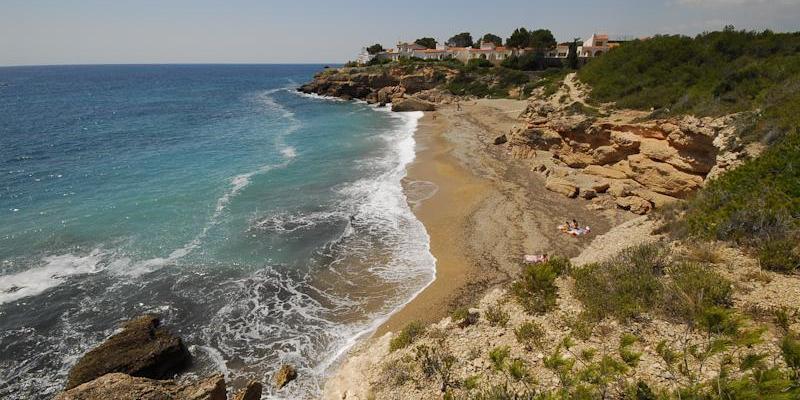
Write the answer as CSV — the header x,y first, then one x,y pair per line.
x,y
477,63
691,289
535,290
624,286
779,255
496,316
464,318
410,333
790,349
531,335
756,205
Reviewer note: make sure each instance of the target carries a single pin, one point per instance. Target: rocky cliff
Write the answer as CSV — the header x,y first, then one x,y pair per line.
x,y
416,88
640,163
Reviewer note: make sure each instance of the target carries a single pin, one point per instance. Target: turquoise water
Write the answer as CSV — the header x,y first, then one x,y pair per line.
x,y
265,226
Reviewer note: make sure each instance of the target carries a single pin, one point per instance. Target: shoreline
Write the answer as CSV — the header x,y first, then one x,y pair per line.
x,y
480,218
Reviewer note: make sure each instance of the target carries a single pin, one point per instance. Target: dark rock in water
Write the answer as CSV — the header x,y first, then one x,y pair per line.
x,y
407,104
251,392
118,386
500,140
286,374
142,349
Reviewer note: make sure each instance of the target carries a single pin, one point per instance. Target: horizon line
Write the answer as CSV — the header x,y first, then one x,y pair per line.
x,y
166,63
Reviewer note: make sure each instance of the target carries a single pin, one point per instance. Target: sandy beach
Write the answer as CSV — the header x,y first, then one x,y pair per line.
x,y
486,210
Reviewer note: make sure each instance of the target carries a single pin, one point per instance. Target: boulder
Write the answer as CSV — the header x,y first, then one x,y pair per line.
x,y
119,386
286,374
561,186
500,140
387,94
251,392
634,204
407,104
143,349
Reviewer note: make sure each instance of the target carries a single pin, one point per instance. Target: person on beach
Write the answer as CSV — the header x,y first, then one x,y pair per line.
x,y
458,105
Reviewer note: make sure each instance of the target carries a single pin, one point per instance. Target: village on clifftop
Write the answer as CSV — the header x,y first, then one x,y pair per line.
x,y
495,53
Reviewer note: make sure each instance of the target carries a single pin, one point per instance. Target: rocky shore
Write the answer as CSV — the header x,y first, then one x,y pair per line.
x,y
406,88
141,362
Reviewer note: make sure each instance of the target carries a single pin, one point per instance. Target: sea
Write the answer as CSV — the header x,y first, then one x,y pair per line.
x,y
266,227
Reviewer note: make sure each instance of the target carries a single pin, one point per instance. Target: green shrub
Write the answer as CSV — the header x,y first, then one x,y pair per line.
x,y
496,316
531,335
535,289
498,356
779,255
437,362
720,321
411,332
756,205
625,286
477,63
626,351
691,289
464,318
790,349
509,77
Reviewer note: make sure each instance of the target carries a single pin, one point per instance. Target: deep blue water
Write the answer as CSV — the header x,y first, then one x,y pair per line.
x,y
265,226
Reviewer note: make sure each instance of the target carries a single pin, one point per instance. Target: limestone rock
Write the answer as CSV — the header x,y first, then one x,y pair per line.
x,y
418,82
251,392
604,172
588,194
144,349
407,104
635,204
286,374
622,188
561,186
664,178
659,200
119,386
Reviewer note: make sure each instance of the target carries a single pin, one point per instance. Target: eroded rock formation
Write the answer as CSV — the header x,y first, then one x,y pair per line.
x,y
407,91
641,163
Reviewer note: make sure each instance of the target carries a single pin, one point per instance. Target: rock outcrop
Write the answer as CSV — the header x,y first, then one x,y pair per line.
x,y
119,386
646,163
142,349
407,104
378,84
286,374
133,365
407,91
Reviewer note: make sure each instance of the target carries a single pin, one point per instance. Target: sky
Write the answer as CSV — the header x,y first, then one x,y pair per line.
x,y
43,32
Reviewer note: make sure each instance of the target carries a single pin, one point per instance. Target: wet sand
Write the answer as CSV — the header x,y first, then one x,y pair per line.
x,y
486,210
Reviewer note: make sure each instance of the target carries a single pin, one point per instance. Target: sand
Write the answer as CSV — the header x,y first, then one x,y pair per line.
x,y
482,209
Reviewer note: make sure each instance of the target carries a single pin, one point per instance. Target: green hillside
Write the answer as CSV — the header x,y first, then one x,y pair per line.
x,y
712,74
